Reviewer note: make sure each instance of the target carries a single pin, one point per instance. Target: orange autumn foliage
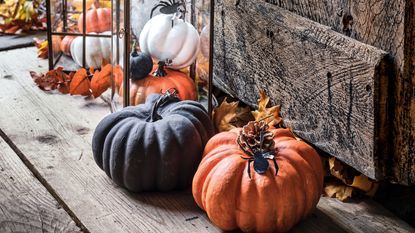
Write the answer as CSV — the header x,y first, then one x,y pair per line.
x,y
80,83
101,80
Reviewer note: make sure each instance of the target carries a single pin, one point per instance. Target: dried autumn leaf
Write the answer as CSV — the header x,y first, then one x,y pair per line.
x,y
338,170
41,81
271,114
228,116
80,83
363,183
349,177
224,115
339,191
101,80
52,80
42,48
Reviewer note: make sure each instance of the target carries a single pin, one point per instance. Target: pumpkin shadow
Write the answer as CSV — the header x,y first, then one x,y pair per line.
x,y
174,201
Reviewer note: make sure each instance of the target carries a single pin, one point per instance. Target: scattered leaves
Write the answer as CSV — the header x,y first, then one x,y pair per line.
x,y
82,82
17,16
272,114
350,180
53,79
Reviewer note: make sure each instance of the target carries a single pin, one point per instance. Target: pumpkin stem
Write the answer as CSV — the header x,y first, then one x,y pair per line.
x,y
169,96
160,72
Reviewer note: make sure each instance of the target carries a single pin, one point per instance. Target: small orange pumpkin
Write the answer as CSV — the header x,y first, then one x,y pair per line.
x,y
65,45
97,20
239,185
159,82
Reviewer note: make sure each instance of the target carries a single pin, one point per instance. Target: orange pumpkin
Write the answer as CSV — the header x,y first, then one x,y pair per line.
x,y
251,193
97,20
65,45
159,82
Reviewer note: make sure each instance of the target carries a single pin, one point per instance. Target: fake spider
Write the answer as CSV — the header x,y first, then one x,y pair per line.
x,y
259,157
170,7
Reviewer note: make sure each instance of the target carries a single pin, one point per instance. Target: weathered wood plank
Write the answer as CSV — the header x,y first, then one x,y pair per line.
x,y
26,205
331,87
53,132
388,25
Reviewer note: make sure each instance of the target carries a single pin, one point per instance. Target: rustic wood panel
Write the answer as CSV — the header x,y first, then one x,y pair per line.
x,y
331,87
25,205
388,25
53,132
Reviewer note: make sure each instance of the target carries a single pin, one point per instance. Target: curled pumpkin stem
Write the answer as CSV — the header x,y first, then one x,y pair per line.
x,y
160,72
169,96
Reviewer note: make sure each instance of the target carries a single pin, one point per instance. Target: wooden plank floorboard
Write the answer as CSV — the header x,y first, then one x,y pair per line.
x,y
54,132
26,205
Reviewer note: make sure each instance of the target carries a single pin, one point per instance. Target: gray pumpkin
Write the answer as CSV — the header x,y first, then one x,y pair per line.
x,y
141,65
156,146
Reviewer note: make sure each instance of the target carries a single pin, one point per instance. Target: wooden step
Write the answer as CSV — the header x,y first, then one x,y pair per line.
x,y
25,204
53,132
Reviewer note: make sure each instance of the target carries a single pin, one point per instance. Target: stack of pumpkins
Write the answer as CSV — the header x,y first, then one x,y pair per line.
x,y
257,178
98,21
173,44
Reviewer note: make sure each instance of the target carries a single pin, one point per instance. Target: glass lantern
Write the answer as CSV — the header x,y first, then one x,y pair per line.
x,y
153,46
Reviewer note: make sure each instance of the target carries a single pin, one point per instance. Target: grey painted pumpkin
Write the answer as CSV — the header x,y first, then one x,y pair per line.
x,y
155,146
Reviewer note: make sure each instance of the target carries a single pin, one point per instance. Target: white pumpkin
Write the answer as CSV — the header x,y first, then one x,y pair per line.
x,y
97,49
178,42
204,41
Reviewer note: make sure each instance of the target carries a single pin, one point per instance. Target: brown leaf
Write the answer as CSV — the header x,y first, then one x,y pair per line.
x,y
339,191
351,178
224,115
338,170
52,80
270,115
101,80
80,83
228,116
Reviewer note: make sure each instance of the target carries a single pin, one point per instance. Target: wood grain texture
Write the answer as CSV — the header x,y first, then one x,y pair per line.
x,y
25,205
331,88
388,25
53,131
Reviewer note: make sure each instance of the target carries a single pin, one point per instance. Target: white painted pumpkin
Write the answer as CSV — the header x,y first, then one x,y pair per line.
x,y
96,49
204,41
178,43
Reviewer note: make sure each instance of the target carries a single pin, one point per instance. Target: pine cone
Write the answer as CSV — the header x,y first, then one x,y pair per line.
x,y
250,137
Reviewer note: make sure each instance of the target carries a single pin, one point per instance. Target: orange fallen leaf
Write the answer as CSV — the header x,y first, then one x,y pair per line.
x,y
80,84
101,80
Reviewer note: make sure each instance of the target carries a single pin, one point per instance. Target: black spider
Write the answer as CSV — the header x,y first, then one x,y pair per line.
x,y
259,157
170,7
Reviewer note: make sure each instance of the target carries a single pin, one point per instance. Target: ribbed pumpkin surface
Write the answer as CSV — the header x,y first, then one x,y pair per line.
x,y
142,155
264,203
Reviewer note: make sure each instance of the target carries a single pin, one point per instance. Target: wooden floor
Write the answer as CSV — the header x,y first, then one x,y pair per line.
x,y
49,181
